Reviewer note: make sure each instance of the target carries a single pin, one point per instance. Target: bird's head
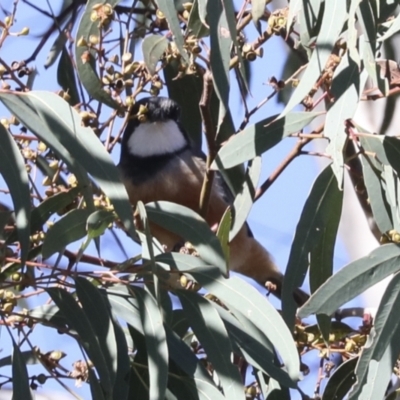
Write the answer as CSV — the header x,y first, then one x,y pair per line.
x,y
153,129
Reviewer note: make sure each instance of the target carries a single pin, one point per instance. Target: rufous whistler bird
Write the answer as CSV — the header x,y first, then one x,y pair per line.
x,y
158,163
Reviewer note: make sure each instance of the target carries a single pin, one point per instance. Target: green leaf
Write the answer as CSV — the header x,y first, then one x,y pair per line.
x,y
374,182
315,231
78,321
211,332
48,314
56,49
167,7
189,225
242,298
223,232
29,357
258,9
186,91
20,378
87,69
153,48
68,229
253,347
125,306
341,381
66,77
12,168
382,348
197,25
98,221
41,214
121,384
220,54
199,380
326,41
244,199
346,91
86,147
99,317
21,106
260,137
352,280
156,344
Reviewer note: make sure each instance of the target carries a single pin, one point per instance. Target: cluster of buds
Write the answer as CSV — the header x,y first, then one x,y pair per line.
x,y
103,14
391,236
250,52
7,301
277,21
102,202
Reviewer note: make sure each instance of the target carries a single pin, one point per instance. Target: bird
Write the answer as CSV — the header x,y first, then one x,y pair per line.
x,y
159,162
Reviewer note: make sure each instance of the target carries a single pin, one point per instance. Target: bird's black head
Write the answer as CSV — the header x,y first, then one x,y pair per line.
x,y
152,137
156,109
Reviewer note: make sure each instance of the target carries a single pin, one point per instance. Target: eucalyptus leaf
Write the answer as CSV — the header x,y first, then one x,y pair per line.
x,y
66,230
20,378
153,48
352,280
260,137
13,171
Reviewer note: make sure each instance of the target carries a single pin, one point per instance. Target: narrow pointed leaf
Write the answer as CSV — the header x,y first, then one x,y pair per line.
x,y
260,137
382,346
66,77
326,40
20,378
341,381
244,199
190,226
242,298
352,280
156,344
346,87
66,230
84,145
372,171
323,206
13,171
211,332
78,321
167,7
85,58
153,48
99,317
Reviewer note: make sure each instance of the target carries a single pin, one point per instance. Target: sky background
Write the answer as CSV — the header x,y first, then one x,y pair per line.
x,y
273,218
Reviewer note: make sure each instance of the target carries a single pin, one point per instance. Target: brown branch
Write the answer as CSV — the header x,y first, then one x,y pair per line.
x,y
210,133
296,151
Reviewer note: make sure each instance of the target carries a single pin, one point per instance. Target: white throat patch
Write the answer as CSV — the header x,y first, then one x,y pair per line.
x,y
156,138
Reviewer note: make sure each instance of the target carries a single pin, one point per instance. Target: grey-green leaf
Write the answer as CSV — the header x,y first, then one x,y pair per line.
x,y
189,225
260,137
156,344
346,91
382,347
85,58
244,199
340,381
153,48
66,230
78,321
326,40
352,280
12,168
167,7
211,332
21,389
